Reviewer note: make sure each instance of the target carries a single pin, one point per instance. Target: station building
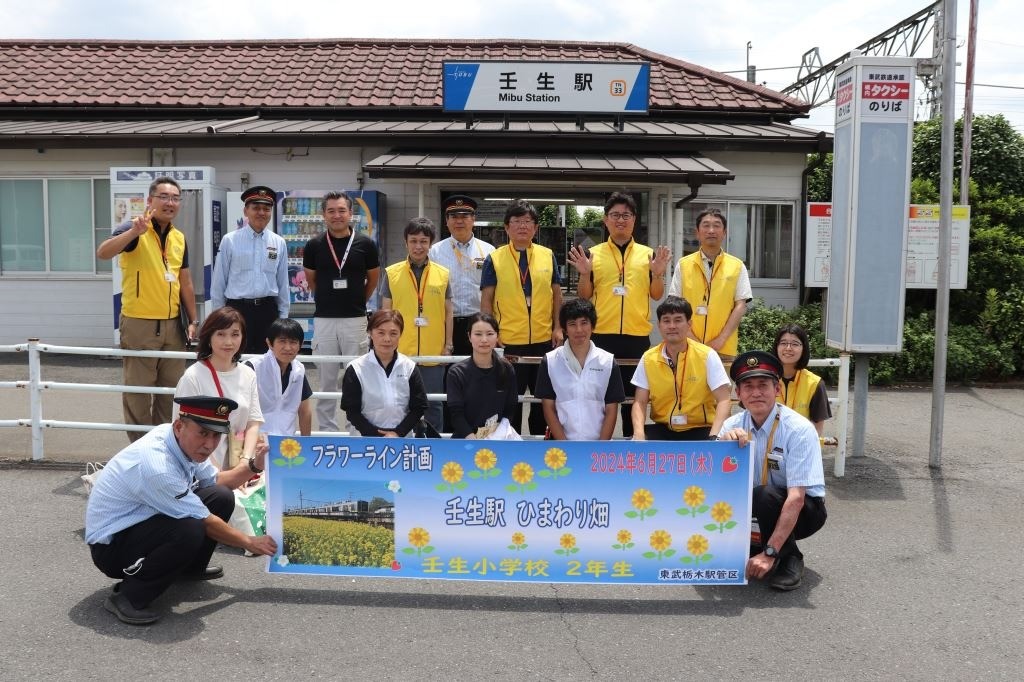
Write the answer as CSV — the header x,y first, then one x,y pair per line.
x,y
369,115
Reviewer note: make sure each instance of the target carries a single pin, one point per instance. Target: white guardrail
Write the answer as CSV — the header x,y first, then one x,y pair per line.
x,y
36,386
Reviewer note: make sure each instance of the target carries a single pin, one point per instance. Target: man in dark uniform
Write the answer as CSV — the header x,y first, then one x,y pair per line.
x,y
159,508
251,272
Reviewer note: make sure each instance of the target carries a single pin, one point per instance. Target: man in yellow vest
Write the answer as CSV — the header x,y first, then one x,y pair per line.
x,y
622,277
716,284
520,286
420,289
683,381
155,282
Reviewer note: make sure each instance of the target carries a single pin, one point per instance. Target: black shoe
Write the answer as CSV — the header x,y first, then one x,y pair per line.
x,y
208,573
788,574
119,605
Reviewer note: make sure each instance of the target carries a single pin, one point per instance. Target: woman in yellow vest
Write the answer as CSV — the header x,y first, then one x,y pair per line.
x,y
801,390
420,289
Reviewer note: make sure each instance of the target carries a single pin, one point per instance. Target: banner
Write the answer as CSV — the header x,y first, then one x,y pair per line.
x,y
519,511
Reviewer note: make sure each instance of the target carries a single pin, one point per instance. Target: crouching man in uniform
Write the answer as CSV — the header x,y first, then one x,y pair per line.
x,y
789,480
159,508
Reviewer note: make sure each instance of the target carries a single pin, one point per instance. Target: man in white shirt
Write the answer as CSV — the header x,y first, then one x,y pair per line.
x,y
464,256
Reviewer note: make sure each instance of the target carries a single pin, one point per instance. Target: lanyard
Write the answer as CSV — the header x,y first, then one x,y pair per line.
x,y
529,261
344,258
162,246
460,258
768,449
714,271
216,381
614,248
678,379
421,286
795,393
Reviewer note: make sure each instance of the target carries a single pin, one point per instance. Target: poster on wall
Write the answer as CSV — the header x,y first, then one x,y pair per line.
x,y
513,511
922,246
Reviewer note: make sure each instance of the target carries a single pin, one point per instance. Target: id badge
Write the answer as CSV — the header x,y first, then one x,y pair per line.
x,y
529,301
679,420
619,290
702,310
755,533
420,322
341,284
169,276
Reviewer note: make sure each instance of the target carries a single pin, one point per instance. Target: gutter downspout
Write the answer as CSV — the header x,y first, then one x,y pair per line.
x,y
801,289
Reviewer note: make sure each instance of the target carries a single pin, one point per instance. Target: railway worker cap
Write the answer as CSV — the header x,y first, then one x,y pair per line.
x,y
211,412
459,204
755,363
260,194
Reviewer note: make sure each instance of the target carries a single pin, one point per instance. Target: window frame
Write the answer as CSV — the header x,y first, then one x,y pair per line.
x,y
95,227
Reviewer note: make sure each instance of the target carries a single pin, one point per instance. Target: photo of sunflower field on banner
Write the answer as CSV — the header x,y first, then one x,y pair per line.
x,y
533,511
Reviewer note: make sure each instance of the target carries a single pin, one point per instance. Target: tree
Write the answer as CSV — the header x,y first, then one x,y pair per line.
x,y
593,217
819,180
997,153
549,216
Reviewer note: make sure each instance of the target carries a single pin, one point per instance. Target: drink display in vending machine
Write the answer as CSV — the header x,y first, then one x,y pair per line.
x,y
301,218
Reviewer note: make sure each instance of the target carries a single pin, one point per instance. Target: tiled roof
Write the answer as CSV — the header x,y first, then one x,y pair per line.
x,y
372,74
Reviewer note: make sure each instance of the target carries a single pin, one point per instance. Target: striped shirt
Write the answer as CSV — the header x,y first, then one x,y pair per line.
x,y
465,264
149,477
795,459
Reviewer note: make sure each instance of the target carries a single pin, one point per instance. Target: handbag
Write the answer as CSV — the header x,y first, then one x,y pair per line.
x,y
425,429
234,453
92,472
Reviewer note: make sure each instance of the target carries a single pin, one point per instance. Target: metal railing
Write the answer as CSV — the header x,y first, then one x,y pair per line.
x,y
36,386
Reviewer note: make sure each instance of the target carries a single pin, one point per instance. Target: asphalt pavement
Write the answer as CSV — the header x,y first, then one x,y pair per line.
x,y
916,575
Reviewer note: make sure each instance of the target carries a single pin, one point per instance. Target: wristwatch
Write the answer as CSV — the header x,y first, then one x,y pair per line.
x,y
252,465
771,552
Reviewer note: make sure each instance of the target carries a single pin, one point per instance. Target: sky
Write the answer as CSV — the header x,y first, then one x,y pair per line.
x,y
710,33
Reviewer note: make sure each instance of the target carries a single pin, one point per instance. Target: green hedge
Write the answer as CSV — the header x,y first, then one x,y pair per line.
x,y
990,352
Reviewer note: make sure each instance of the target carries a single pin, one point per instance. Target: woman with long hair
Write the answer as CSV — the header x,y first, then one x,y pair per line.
x,y
218,372
802,389
382,392
482,389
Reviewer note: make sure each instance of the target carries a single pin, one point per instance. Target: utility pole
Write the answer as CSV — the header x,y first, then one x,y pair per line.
x,y
945,233
965,159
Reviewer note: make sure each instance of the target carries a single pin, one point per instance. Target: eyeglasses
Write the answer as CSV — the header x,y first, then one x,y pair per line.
x,y
790,344
620,216
169,198
521,223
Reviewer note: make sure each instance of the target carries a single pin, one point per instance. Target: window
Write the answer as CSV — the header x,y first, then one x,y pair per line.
x,y
760,234
53,225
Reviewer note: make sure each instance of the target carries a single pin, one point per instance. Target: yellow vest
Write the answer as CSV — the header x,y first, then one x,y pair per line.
x,y
428,340
801,389
719,301
517,324
145,293
629,314
696,400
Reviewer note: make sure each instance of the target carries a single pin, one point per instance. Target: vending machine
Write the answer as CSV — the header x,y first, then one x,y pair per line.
x,y
200,218
300,218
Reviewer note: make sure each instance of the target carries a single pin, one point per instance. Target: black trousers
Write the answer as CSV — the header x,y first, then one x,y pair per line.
x,y
526,376
150,555
259,314
460,336
625,347
766,506
662,432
